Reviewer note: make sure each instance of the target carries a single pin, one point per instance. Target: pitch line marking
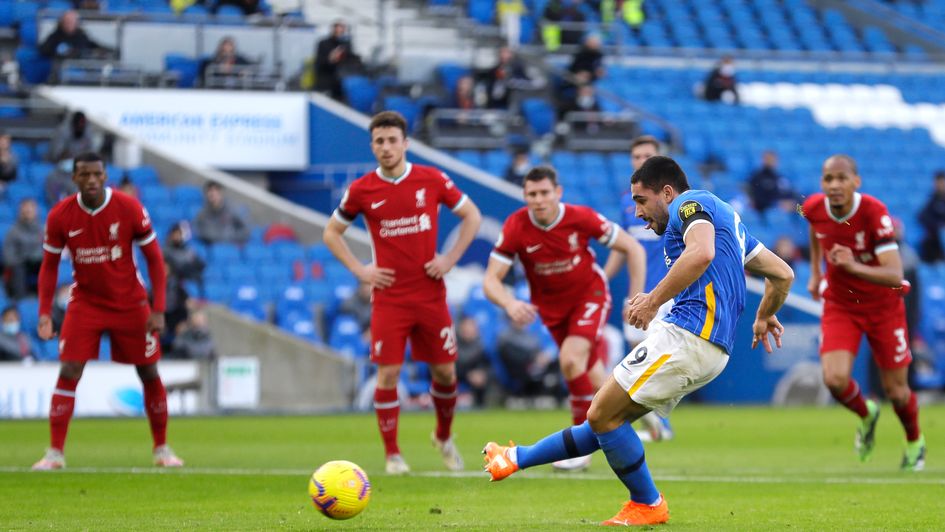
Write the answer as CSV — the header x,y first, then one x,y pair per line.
x,y
729,479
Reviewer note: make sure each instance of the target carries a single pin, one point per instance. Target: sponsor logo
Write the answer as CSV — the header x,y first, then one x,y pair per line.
x,y
408,225
532,249
582,323
820,235
377,204
899,358
75,232
688,209
150,345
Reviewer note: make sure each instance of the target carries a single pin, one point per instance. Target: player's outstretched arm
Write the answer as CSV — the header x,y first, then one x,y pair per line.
x,y
520,312
778,279
816,263
48,274
888,273
370,273
636,259
468,227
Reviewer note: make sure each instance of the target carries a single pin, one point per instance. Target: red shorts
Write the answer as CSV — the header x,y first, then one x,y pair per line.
x,y
585,319
427,325
885,329
128,330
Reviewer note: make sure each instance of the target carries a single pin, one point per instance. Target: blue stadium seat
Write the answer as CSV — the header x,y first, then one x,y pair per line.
x,y
187,67
539,114
360,92
405,106
345,337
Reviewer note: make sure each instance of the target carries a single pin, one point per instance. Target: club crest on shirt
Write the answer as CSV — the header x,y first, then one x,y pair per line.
x,y
688,209
573,241
113,231
421,198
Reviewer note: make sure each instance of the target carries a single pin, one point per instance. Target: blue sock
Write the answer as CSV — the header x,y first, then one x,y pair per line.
x,y
625,455
571,442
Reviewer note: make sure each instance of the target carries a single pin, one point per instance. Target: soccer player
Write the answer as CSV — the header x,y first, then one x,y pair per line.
x,y
568,289
709,250
98,226
641,149
863,294
400,202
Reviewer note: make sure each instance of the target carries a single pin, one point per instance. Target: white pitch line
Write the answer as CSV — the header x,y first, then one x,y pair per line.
x,y
537,475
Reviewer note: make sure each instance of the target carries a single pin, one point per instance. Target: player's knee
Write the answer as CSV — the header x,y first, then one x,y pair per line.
x,y
600,420
387,377
444,374
71,370
898,393
836,381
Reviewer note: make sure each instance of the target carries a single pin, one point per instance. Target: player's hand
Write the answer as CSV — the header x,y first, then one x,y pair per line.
x,y
156,322
44,328
379,278
640,311
841,256
760,330
813,286
521,313
438,267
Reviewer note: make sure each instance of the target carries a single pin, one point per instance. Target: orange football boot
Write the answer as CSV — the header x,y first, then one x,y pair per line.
x,y
634,514
498,462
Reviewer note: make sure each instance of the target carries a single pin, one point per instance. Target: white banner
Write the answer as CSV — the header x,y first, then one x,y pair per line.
x,y
238,379
106,389
228,130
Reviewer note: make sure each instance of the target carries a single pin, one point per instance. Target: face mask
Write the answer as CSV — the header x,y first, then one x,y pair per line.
x,y
522,168
727,70
585,101
11,327
65,165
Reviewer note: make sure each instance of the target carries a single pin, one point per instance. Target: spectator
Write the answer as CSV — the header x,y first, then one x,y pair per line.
x,y
358,306
932,218
332,55
69,41
509,13
217,221
787,250
249,7
9,163
563,24
182,258
465,95
60,303
525,361
193,340
72,138
507,75
587,65
177,305
58,183
721,84
767,187
23,251
520,165
584,101
472,367
127,186
14,343
226,63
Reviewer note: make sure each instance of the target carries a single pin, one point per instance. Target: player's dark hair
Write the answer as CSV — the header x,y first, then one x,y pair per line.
x,y
389,119
645,139
849,160
212,184
540,173
659,171
87,157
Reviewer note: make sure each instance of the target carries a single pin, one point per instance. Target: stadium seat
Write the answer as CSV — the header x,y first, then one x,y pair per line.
x,y
346,337
186,67
539,114
360,93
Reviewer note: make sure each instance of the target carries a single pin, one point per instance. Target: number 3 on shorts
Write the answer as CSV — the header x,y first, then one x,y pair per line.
x,y
901,337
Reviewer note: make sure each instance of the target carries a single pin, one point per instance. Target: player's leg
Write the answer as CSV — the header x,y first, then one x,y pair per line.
x,y
573,357
837,367
61,407
155,406
389,329
443,390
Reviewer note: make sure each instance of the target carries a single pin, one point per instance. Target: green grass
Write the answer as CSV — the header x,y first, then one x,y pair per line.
x,y
728,468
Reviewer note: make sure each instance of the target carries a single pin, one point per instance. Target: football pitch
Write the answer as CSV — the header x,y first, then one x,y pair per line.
x,y
727,469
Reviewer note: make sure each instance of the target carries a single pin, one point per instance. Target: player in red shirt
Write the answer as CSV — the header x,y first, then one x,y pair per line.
x,y
400,202
863,294
569,290
98,226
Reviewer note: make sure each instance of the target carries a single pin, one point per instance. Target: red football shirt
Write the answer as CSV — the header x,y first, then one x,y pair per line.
x,y
99,242
559,265
401,215
868,231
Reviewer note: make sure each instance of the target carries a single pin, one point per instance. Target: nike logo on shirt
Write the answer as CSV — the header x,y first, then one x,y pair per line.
x,y
74,233
377,204
532,249
582,323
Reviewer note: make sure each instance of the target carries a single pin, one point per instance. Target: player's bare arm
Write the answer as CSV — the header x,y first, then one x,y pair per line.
x,y
691,264
888,273
778,279
471,218
366,273
615,260
48,274
520,312
816,260
629,247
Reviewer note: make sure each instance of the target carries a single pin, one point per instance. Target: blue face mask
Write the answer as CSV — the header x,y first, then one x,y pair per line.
x,y
11,327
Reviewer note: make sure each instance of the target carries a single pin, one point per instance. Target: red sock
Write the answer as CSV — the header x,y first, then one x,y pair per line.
x,y
852,399
155,404
909,416
387,408
582,392
444,400
60,411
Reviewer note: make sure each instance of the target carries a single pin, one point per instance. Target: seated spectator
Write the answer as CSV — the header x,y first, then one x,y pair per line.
x,y
69,40
23,251
465,95
193,339
226,62
563,24
585,101
721,84
588,63
932,219
9,163
767,187
787,250
472,366
73,137
333,55
249,7
177,305
61,301
14,343
520,165
525,361
127,186
182,258
358,306
217,221
507,75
